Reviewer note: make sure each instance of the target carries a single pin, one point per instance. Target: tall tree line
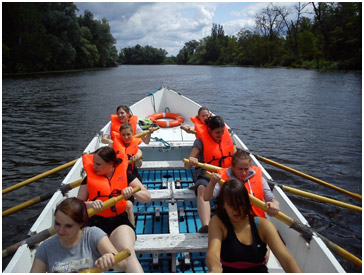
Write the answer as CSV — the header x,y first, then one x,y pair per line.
x,y
282,37
49,36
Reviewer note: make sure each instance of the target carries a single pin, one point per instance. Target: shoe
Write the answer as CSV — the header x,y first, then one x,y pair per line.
x,y
204,229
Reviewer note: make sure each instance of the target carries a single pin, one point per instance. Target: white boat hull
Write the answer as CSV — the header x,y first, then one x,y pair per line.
x,y
312,257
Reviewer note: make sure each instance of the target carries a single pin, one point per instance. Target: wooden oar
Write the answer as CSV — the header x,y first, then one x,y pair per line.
x,y
303,175
317,197
46,233
205,166
40,176
142,134
305,230
117,258
44,197
190,131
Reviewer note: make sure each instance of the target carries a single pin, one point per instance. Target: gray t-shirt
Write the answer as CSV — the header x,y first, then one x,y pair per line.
x,y
65,260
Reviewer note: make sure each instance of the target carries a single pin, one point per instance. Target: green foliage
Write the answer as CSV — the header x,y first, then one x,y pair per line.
x,y
49,36
332,40
142,55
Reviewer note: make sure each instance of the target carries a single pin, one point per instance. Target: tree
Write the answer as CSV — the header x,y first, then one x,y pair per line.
x,y
270,24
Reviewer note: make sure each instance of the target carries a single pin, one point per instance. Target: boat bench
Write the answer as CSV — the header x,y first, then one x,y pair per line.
x,y
172,194
171,243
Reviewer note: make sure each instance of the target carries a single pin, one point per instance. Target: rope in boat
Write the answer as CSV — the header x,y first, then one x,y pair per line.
x,y
165,143
152,98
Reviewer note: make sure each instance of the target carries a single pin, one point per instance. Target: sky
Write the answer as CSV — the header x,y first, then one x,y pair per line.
x,y
169,25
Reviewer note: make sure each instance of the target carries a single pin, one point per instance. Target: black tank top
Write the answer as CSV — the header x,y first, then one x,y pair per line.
x,y
240,258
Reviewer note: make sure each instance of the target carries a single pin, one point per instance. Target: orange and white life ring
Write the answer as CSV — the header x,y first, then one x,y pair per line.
x,y
178,119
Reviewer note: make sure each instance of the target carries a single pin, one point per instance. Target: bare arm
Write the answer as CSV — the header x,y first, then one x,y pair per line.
x,y
193,158
216,233
269,234
106,261
209,190
143,195
38,266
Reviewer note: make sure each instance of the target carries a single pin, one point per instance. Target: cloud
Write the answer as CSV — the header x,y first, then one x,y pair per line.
x,y
162,25
169,25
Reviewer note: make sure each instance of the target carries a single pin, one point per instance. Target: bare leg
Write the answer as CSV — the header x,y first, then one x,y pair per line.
x,y
124,237
203,207
129,210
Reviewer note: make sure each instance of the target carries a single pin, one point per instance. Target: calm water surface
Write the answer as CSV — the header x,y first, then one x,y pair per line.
x,y
307,120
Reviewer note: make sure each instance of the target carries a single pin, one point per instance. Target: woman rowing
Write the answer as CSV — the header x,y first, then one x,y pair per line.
x,y
107,177
125,144
238,240
216,147
199,121
75,246
252,178
123,114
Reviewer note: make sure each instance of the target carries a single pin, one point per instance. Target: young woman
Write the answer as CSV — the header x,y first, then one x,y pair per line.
x,y
123,115
75,247
199,121
238,240
125,144
252,178
107,177
215,146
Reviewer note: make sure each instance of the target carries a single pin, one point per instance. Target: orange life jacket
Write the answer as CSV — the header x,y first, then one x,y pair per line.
x,y
99,187
121,149
253,185
199,126
218,154
115,123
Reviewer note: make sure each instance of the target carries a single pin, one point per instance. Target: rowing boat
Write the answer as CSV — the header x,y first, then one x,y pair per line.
x,y
167,227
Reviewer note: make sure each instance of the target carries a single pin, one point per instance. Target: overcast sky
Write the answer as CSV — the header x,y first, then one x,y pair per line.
x,y
169,25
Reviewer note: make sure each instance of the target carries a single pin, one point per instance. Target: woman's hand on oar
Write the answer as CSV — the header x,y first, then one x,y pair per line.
x,y
40,176
188,129
317,197
149,131
306,231
208,167
110,202
306,176
46,233
103,267
44,197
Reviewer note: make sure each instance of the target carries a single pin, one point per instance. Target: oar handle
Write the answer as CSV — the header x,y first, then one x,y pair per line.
x,y
190,131
301,228
40,176
303,175
117,258
131,161
205,166
110,202
142,134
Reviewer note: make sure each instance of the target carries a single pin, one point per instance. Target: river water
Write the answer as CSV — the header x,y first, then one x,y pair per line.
x,y
310,121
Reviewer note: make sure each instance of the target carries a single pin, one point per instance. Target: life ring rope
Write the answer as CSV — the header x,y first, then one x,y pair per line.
x,y
177,119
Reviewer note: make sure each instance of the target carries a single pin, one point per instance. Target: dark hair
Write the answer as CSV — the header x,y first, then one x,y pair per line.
x,y
108,155
125,125
215,122
234,192
240,155
202,109
125,108
75,209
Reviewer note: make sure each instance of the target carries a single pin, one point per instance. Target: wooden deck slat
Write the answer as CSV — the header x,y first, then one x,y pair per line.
x,y
171,243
